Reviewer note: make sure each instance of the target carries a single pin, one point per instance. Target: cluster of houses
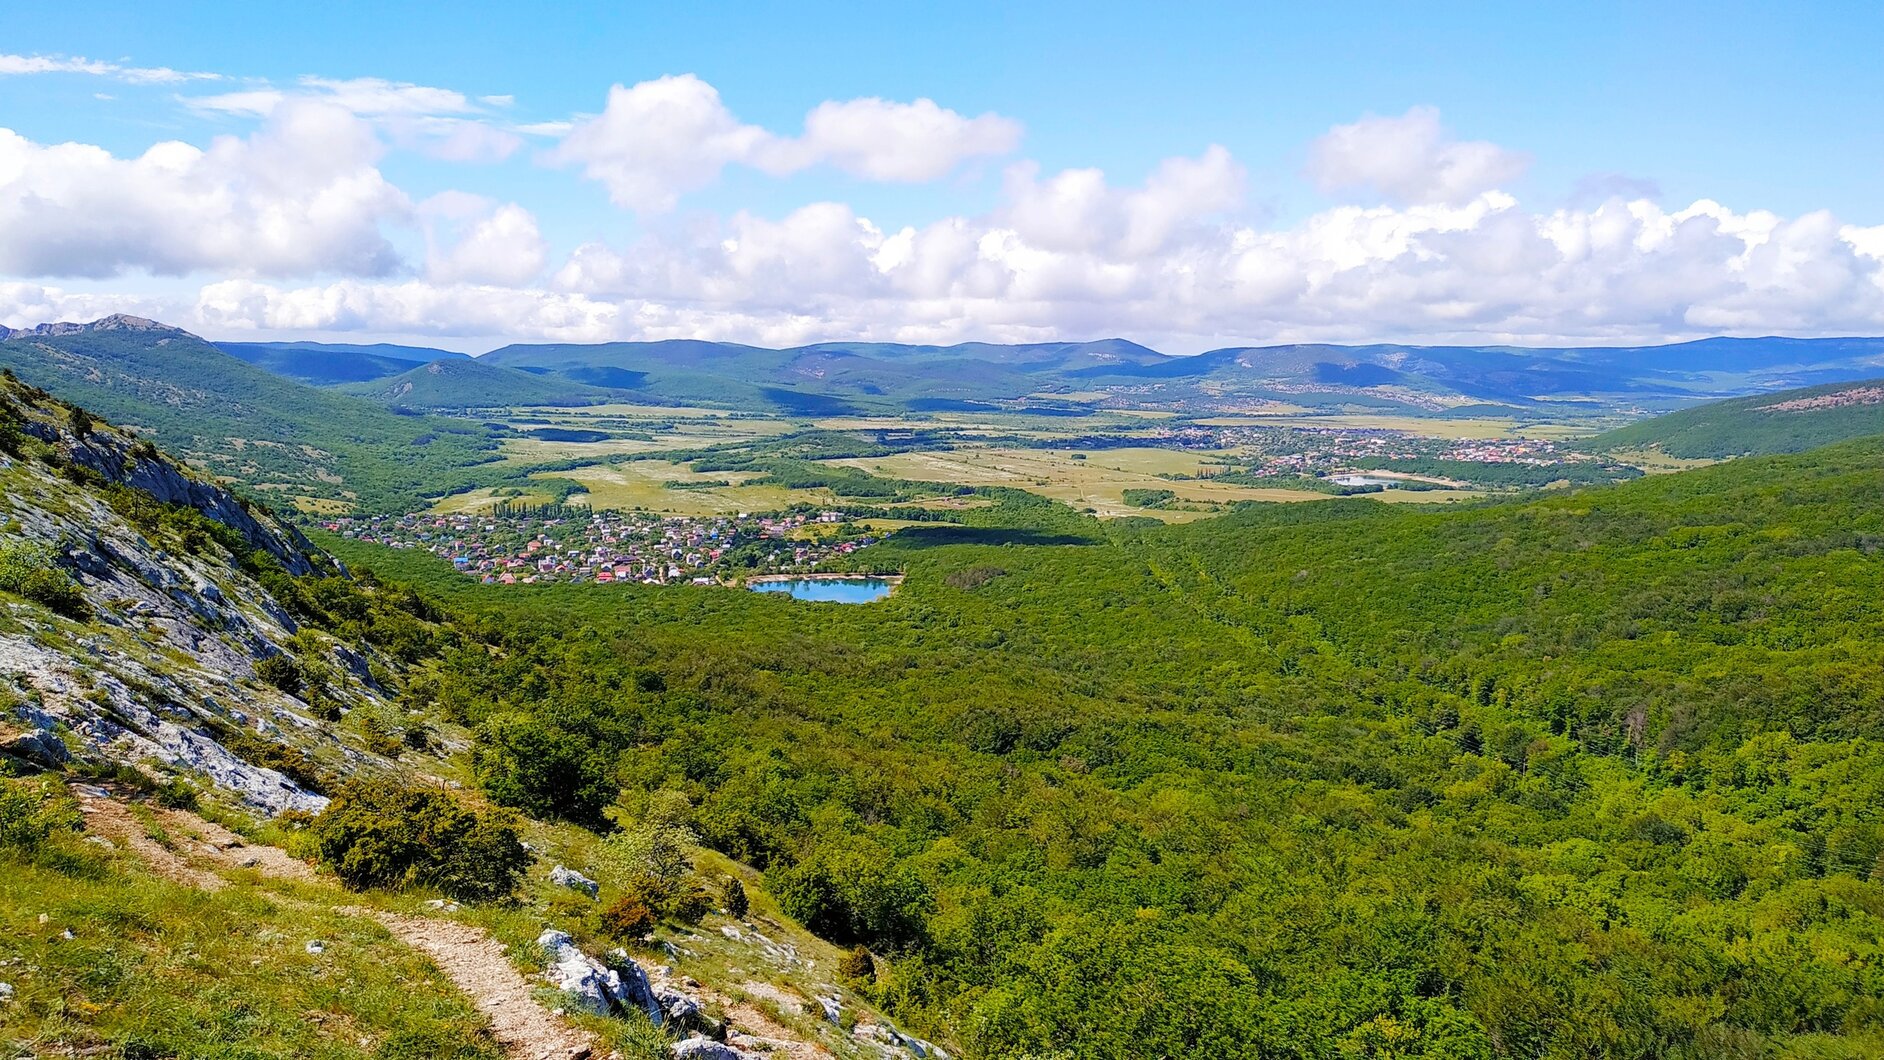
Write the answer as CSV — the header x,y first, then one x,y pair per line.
x,y
578,545
1313,450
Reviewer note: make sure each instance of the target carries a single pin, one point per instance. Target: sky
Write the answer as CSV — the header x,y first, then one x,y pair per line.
x,y
472,175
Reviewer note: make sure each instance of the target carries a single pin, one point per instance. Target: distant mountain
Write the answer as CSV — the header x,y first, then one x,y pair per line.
x,y
824,379
243,423
463,383
330,363
1790,421
859,376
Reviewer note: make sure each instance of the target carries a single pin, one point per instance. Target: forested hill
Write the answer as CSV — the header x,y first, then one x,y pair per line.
x,y
1591,775
462,383
285,440
1789,421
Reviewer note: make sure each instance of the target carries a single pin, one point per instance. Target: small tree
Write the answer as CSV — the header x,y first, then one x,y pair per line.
x,y
733,897
628,918
80,421
858,965
282,672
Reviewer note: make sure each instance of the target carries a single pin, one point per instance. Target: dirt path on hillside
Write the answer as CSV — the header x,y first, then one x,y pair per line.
x,y
470,958
476,963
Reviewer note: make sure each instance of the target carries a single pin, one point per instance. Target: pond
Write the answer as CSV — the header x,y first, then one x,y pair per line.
x,y
857,590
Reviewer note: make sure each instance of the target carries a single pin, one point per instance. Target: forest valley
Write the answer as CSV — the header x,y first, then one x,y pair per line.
x,y
1594,773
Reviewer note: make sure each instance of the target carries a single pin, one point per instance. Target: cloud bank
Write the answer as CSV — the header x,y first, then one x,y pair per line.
x,y
294,229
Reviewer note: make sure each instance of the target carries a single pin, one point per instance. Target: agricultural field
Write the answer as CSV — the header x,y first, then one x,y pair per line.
x,y
1095,479
644,484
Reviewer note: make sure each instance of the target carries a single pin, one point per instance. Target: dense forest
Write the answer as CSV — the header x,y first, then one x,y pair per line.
x,y
1588,775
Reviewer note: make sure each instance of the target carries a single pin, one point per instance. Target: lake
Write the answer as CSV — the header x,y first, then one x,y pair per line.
x,y
859,590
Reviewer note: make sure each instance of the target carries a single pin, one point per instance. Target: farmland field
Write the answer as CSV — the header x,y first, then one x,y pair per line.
x,y
1098,481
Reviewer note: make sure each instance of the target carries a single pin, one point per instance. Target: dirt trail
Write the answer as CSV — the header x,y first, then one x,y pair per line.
x,y
469,957
476,963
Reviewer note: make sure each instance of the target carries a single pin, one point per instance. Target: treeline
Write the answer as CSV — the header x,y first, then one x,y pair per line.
x,y
1502,474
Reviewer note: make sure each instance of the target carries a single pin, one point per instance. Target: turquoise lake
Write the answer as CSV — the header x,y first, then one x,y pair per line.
x,y
830,590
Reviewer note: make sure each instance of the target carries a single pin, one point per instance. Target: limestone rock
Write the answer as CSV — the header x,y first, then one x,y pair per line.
x,y
575,881
699,1047
591,985
40,746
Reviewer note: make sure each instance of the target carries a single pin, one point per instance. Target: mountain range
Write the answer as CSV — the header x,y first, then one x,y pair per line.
x,y
837,378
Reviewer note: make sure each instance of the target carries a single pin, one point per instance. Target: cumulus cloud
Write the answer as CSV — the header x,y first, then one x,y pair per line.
x,y
1410,159
501,246
17,65
908,142
660,139
1061,259
23,305
412,307
302,195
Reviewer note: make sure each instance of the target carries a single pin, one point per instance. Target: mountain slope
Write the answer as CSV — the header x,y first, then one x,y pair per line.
x,y
462,383
329,363
165,647
1790,421
242,422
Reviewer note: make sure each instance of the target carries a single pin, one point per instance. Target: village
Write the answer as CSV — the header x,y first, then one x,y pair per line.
x,y
1322,450
570,544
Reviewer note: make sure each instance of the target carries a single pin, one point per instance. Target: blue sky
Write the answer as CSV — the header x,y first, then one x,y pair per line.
x,y
1772,117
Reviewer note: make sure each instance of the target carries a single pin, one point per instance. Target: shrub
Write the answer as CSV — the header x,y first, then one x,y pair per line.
x,y
628,918
733,896
178,794
282,672
858,964
30,811
545,771
379,834
33,571
690,904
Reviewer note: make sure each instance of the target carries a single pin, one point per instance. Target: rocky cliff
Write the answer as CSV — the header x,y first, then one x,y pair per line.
x,y
141,605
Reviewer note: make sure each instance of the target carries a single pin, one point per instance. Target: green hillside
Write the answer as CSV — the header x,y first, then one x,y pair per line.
x,y
328,363
462,383
1588,775
278,437
1790,421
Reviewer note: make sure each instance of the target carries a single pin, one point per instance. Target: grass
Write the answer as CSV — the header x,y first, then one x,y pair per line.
x,y
154,968
1098,481
642,484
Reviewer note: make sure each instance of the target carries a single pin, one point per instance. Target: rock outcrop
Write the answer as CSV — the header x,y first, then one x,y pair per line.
x,y
620,983
575,881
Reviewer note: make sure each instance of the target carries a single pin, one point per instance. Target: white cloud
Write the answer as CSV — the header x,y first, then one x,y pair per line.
x,y
411,308
23,305
501,247
301,195
66,64
907,142
660,139
1410,159
440,122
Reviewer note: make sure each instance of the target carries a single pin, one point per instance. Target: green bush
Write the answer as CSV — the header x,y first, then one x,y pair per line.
x,y
734,898
858,964
542,770
282,672
31,811
33,571
379,834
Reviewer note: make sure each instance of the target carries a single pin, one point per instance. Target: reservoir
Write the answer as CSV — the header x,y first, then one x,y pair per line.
x,y
840,590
